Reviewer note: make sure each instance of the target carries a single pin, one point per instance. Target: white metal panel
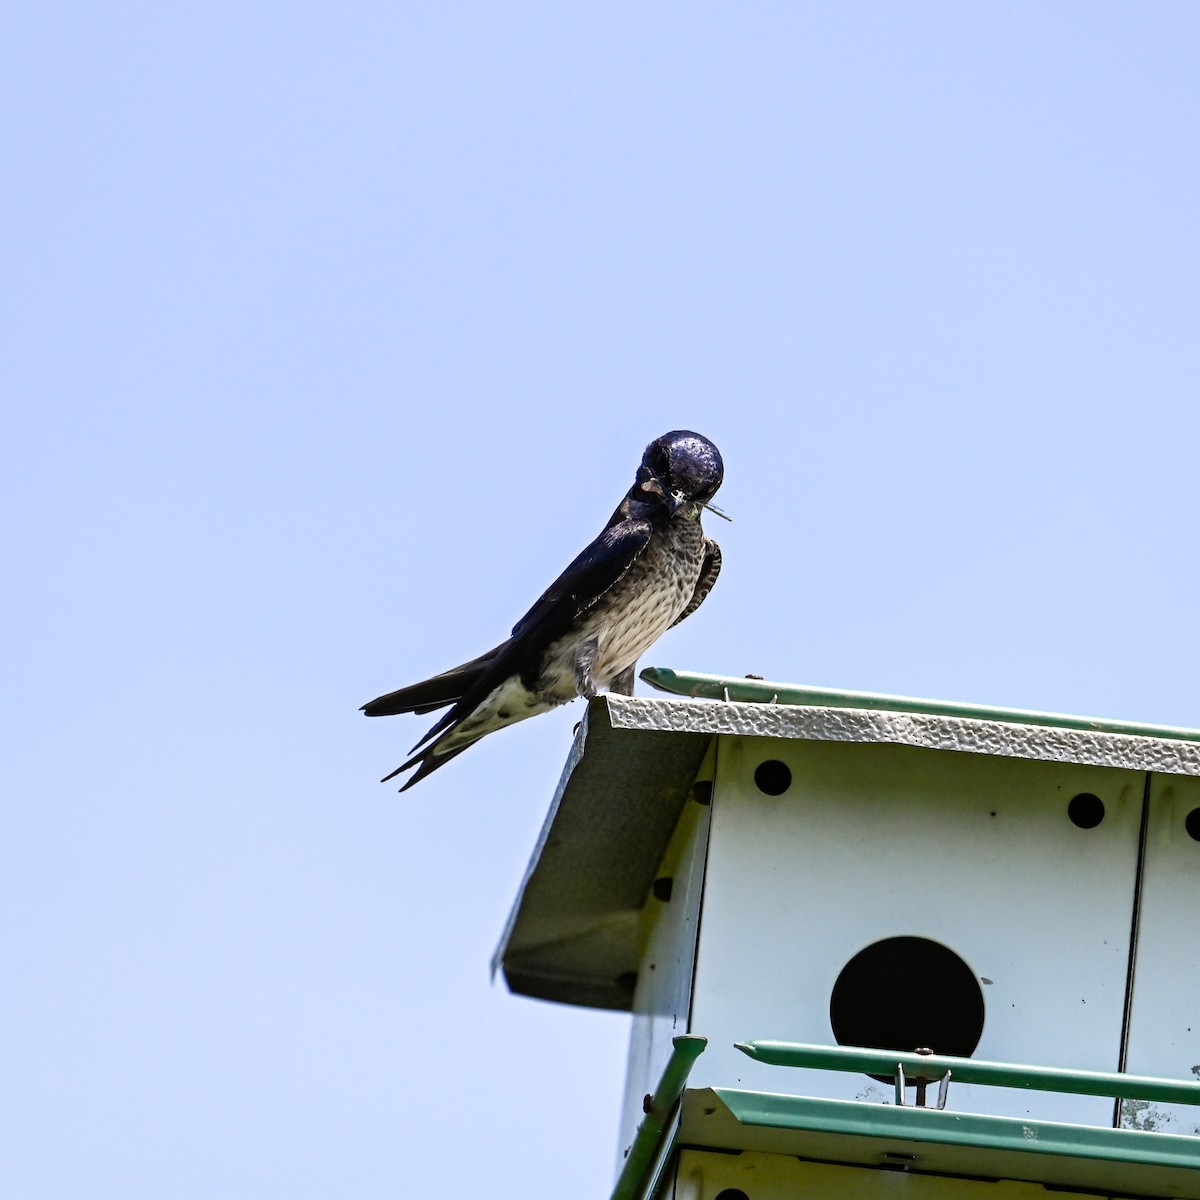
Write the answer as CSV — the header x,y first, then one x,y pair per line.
x,y
662,997
703,1175
875,841
1164,1032
574,928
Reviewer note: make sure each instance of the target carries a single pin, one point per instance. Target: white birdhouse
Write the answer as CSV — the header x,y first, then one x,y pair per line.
x,y
830,913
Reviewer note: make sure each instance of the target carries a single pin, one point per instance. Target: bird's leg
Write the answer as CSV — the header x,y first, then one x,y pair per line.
x,y
623,683
585,662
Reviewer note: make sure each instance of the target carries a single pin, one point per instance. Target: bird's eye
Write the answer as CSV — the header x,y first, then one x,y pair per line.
x,y
652,487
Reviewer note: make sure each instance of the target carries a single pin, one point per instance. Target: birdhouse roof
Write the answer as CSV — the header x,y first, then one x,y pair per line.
x,y
573,934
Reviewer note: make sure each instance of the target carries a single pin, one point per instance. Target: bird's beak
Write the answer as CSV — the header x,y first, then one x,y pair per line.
x,y
675,501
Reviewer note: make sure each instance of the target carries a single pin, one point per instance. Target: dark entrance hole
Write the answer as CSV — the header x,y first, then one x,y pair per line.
x,y
1192,824
772,777
906,993
1086,810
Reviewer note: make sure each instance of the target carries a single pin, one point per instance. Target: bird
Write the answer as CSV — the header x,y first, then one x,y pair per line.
x,y
651,566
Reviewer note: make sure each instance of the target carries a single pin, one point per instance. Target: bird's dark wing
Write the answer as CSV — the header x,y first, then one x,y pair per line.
x,y
589,576
709,570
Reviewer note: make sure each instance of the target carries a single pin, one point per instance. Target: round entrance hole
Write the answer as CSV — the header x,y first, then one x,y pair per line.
x,y
1086,810
772,777
907,993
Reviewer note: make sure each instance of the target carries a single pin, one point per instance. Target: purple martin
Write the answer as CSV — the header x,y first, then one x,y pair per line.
x,y
651,566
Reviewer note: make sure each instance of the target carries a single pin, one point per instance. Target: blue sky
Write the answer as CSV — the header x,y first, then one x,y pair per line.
x,y
330,335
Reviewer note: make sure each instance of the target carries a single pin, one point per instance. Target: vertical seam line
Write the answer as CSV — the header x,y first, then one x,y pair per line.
x,y
1134,931
708,823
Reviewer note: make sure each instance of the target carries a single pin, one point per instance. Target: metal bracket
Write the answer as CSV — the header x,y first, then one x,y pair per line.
x,y
943,1093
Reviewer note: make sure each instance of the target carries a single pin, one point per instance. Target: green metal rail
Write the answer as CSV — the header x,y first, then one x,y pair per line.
x,y
659,1107
1139,1155
761,691
969,1070
1127,1148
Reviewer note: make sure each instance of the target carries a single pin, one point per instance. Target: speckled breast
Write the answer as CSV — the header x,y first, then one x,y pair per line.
x,y
647,599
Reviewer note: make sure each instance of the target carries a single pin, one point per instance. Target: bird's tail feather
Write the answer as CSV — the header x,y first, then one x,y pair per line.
x,y
446,688
426,763
458,691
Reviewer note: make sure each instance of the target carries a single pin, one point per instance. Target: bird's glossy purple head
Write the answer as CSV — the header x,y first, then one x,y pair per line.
x,y
684,465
